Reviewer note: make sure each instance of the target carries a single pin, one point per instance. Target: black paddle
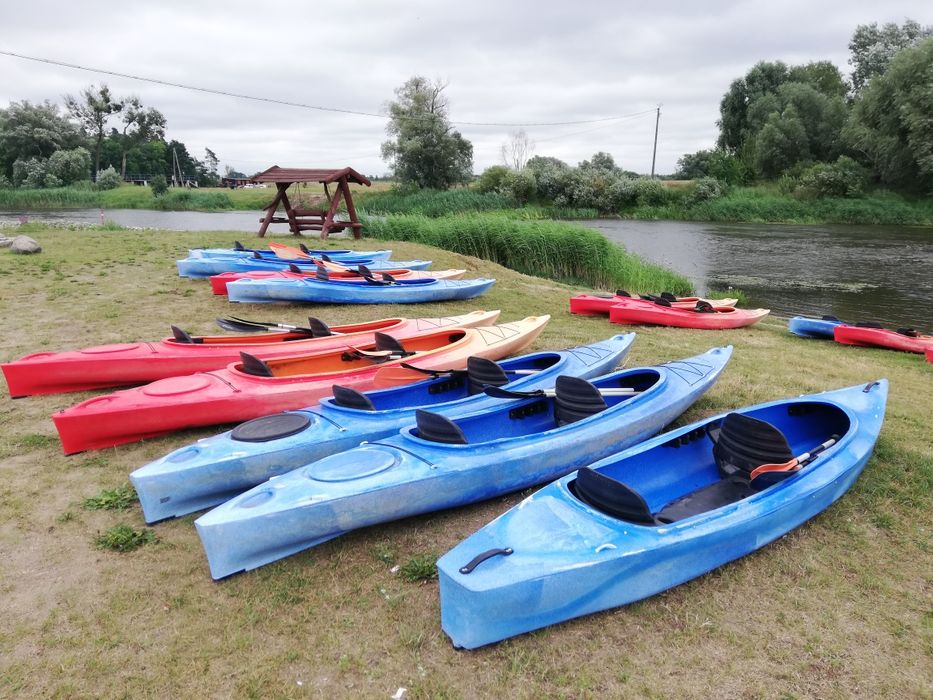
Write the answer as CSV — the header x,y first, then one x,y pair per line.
x,y
500,393
232,323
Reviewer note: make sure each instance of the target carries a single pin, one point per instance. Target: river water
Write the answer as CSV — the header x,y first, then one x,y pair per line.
x,y
858,273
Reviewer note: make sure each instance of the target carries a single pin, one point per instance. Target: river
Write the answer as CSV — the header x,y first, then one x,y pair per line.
x,y
858,273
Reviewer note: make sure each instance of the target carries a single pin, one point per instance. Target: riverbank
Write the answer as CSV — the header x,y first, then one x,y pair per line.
x,y
759,204
845,593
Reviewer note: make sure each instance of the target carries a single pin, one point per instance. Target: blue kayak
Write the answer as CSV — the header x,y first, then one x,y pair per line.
x,y
813,327
218,468
403,291
657,515
207,266
335,255
439,463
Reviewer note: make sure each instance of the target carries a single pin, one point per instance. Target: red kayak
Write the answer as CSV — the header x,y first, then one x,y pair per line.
x,y
930,355
600,304
126,364
874,336
252,387
702,316
219,282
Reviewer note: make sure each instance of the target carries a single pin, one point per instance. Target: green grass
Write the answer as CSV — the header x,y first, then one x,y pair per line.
x,y
124,538
120,498
838,608
431,202
421,567
555,250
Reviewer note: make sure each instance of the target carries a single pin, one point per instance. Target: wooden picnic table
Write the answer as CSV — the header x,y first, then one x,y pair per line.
x,y
311,219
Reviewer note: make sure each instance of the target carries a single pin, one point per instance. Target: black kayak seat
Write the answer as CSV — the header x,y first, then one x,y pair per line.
x,y
743,443
269,428
319,329
661,302
238,246
351,398
704,307
868,324
438,428
622,293
611,497
909,332
668,296
384,341
183,336
322,274
364,271
253,365
719,493
482,373
292,267
575,399
257,255
832,318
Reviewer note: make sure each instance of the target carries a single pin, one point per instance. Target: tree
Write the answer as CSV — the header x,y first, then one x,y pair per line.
x,y
872,48
763,79
517,150
426,150
822,76
890,123
140,124
92,109
601,161
781,143
211,162
33,131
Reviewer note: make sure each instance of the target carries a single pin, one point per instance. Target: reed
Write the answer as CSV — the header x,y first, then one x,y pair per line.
x,y
555,250
432,202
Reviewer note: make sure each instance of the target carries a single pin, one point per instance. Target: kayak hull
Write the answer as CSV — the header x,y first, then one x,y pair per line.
x,y
126,364
207,266
219,282
654,314
230,395
406,475
317,292
881,338
599,305
812,327
215,469
570,560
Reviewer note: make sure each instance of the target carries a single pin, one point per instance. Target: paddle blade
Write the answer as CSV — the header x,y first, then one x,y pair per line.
x,y
396,374
229,324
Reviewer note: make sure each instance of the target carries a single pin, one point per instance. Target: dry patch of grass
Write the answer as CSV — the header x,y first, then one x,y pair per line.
x,y
838,608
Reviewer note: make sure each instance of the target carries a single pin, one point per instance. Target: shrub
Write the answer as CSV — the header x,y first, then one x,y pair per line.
x,y
159,185
108,179
521,186
29,174
844,178
493,179
5,183
70,166
650,192
622,194
705,190
52,181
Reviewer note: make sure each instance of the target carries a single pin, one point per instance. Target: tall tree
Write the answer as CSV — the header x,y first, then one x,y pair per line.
x,y
425,150
92,108
517,150
890,125
140,124
872,48
33,131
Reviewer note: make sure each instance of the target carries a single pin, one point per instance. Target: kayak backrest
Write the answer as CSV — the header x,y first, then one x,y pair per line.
x,y
384,341
909,332
319,329
253,365
482,373
351,398
704,307
831,318
868,324
438,428
744,443
611,497
668,296
575,399
182,336
322,274
661,302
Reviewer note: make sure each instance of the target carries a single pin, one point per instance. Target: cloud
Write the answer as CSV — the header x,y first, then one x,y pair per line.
x,y
504,61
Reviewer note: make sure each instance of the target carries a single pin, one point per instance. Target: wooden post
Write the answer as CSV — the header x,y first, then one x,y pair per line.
x,y
289,212
270,211
351,210
329,217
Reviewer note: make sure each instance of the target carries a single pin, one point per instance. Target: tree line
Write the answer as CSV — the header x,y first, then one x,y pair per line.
x,y
97,136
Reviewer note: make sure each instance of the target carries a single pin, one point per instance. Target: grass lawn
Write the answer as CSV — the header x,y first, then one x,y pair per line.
x,y
839,608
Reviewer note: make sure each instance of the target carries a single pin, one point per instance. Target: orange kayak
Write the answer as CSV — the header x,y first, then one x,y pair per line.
x,y
126,364
219,282
701,316
252,387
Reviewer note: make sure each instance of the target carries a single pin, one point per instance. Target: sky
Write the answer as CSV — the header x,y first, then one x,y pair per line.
x,y
506,63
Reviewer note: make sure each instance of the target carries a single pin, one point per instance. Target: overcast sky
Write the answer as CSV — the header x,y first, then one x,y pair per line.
x,y
505,62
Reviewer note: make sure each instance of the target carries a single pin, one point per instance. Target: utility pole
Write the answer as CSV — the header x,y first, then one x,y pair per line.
x,y
654,153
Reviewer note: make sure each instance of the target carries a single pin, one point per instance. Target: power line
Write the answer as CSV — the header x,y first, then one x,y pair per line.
x,y
287,103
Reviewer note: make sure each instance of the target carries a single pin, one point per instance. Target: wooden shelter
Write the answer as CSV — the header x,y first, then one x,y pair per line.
x,y
299,219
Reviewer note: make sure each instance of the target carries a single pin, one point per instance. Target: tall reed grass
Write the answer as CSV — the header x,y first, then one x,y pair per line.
x,y
431,203
58,198
556,250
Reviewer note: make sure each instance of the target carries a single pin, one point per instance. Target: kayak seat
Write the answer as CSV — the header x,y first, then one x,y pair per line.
x,y
661,302
622,293
482,373
384,341
743,444
253,365
279,425
715,495
575,399
351,398
909,332
868,324
611,497
668,296
319,329
322,274
832,318
183,336
438,428
704,307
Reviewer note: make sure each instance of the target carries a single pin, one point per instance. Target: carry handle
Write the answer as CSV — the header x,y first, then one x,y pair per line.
x,y
480,558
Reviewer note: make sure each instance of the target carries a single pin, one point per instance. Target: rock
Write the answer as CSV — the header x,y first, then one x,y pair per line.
x,y
5,241
25,245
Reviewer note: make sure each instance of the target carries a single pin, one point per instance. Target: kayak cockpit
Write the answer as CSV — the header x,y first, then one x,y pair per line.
x,y
707,468
572,399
